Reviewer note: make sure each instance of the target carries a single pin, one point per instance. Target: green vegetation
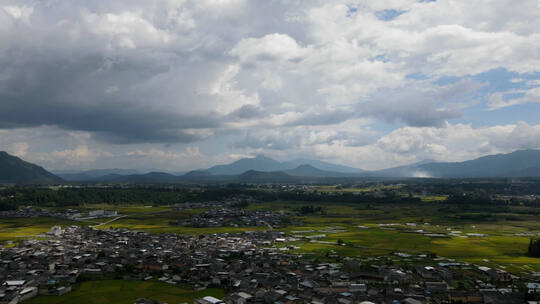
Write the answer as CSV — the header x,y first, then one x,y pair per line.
x,y
434,198
19,228
357,228
126,292
352,219
16,170
534,248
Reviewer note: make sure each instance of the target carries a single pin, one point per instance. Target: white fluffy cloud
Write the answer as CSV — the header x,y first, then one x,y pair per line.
x,y
367,83
514,97
457,142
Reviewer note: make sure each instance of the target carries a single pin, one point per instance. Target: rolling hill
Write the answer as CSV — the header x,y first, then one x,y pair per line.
x,y
310,171
14,170
259,176
90,175
521,163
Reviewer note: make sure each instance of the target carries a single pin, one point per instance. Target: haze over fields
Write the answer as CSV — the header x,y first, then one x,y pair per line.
x,y
183,85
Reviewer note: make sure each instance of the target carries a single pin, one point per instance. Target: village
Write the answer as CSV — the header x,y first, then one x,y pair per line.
x,y
252,267
70,213
237,217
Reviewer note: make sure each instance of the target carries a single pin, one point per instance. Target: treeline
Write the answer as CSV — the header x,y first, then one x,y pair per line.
x,y
79,196
481,198
504,186
177,195
344,197
306,210
165,196
534,248
7,206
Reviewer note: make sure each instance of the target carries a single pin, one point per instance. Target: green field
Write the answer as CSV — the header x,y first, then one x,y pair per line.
x,y
501,247
18,228
126,292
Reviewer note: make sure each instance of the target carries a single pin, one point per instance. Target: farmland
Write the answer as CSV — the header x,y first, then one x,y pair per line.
x,y
126,292
499,238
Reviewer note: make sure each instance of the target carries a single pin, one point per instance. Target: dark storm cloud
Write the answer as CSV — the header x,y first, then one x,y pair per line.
x,y
124,78
322,119
113,122
247,112
74,95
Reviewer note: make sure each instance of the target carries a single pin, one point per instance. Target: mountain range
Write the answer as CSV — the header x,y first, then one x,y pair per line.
x,y
522,163
266,164
73,175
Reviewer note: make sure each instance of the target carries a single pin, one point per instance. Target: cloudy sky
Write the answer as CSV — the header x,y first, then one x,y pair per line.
x,y
180,84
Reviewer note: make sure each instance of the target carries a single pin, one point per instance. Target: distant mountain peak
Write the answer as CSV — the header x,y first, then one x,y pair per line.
x,y
266,164
307,166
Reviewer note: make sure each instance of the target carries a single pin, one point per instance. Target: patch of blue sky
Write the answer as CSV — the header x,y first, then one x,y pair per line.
x,y
501,80
389,14
352,11
497,80
380,57
478,115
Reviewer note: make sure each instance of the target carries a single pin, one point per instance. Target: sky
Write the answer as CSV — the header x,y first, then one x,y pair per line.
x,y
178,85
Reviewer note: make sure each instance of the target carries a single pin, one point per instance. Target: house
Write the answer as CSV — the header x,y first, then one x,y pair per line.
x,y
411,301
465,297
358,288
16,283
239,298
533,287
499,275
56,231
28,293
436,287
96,213
208,300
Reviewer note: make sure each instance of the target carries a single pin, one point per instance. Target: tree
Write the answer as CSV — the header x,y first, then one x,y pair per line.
x,y
534,248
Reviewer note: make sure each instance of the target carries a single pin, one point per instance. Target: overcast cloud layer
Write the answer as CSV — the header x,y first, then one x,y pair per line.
x,y
180,84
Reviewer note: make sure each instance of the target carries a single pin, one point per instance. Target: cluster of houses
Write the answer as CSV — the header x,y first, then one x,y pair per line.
x,y
253,267
237,200
72,214
27,212
237,217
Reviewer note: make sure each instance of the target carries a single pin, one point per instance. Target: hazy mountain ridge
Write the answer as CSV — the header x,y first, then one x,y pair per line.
x,y
311,171
18,171
259,163
514,164
88,175
523,163
266,164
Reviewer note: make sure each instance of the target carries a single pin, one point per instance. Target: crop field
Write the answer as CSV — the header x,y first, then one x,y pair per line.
x,y
498,241
126,292
355,189
18,228
496,238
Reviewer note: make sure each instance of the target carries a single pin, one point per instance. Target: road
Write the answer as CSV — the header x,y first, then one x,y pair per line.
x,y
109,221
